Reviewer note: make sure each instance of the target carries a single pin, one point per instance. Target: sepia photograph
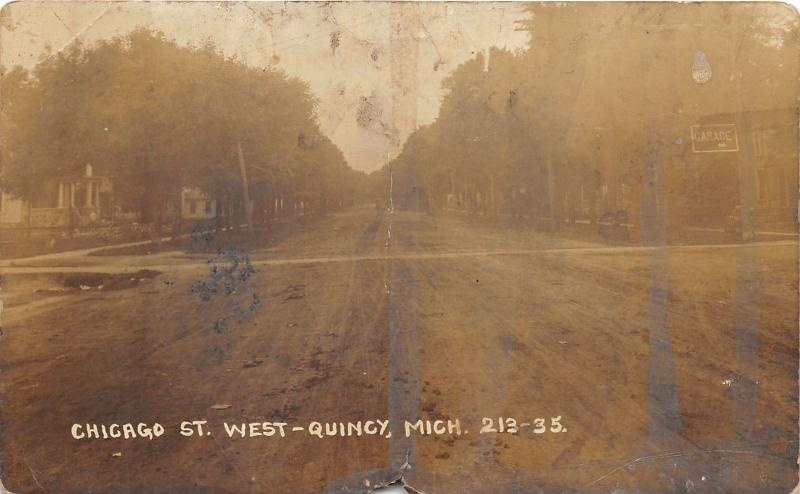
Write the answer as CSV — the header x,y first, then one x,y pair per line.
x,y
440,247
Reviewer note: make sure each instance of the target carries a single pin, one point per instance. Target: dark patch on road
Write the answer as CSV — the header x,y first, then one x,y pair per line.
x,y
229,274
368,236
511,344
292,292
97,281
228,271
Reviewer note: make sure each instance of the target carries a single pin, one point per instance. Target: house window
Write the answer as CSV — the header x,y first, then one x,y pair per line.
x,y
761,139
762,184
193,207
48,196
208,207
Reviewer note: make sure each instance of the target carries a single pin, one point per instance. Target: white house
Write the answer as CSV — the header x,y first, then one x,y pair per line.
x,y
196,205
88,199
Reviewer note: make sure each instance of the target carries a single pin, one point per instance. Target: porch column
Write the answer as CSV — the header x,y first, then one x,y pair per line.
x,y
89,193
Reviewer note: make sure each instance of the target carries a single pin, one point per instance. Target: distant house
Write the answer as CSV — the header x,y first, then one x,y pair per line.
x,y
197,205
82,202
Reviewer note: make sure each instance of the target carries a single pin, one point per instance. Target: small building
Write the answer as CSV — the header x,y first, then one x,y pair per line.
x,y
197,205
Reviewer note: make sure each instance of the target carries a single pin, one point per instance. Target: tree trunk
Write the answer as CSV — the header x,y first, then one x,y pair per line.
x,y
553,195
245,189
70,212
572,194
236,214
157,230
593,205
29,220
492,197
177,220
218,205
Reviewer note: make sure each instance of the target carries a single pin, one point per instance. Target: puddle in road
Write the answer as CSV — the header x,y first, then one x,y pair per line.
x,y
63,283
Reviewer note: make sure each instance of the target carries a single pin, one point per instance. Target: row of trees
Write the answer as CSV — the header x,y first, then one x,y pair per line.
x,y
156,116
593,119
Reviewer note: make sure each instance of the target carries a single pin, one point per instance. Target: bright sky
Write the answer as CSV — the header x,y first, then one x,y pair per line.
x,y
353,81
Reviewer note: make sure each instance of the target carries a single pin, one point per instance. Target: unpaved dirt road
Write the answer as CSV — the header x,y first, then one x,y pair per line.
x,y
671,369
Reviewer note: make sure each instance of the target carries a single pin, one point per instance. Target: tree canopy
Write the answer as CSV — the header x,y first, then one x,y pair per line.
x,y
156,116
577,123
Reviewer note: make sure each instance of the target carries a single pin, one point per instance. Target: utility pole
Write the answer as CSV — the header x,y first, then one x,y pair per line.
x,y
552,193
248,210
